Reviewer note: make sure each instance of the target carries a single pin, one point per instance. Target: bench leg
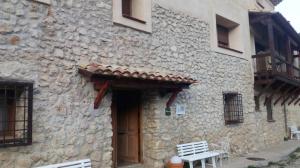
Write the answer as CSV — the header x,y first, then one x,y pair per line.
x,y
203,163
221,160
214,162
191,164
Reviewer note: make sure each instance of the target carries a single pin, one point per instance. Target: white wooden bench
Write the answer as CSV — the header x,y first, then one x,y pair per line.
x,y
295,132
86,163
194,151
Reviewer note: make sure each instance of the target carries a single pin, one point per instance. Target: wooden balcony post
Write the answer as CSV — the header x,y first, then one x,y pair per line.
x,y
271,43
289,57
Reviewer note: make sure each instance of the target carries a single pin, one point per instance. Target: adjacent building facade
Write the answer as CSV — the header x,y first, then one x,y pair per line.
x,y
123,81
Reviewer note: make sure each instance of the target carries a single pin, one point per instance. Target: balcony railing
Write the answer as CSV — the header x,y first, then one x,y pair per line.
x,y
263,66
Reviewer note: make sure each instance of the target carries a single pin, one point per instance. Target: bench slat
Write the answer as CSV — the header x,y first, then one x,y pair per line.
x,y
192,148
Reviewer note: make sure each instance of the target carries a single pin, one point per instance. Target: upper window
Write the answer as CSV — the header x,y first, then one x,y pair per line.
x,y
228,34
133,9
15,113
223,36
233,108
133,13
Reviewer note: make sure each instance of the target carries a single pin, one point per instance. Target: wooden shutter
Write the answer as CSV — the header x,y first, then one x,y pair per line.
x,y
126,7
223,36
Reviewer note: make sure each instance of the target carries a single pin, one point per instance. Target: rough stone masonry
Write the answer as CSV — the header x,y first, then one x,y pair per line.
x,y
47,43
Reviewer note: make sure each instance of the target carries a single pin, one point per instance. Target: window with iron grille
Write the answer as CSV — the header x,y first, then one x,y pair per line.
x,y
15,113
233,108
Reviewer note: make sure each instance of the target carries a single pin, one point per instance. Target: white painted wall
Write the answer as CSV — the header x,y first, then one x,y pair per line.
x,y
235,10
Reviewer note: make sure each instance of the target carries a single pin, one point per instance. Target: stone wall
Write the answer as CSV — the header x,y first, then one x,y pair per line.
x,y
293,115
270,132
47,43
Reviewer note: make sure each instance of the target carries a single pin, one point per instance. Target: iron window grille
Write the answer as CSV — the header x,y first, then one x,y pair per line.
x,y
16,103
233,108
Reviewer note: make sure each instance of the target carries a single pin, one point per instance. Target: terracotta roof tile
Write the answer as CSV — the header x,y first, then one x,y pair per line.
x,y
125,72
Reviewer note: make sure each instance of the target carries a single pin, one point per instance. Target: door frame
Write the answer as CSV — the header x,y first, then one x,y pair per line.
x,y
114,123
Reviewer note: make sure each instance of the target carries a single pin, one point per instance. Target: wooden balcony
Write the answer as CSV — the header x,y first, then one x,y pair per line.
x,y
276,63
265,71
274,75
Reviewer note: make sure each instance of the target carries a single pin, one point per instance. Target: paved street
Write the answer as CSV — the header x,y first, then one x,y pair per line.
x,y
281,155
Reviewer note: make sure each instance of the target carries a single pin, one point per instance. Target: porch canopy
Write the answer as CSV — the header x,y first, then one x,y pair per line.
x,y
110,76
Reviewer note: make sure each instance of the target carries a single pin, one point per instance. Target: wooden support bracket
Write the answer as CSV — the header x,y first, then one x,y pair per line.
x,y
274,92
103,89
265,89
296,96
296,102
289,96
284,95
173,97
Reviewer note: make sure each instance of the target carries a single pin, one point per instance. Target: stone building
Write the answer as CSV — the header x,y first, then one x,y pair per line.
x,y
124,81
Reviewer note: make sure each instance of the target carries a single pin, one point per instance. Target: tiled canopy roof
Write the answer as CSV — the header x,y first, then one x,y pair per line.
x,y
133,73
276,2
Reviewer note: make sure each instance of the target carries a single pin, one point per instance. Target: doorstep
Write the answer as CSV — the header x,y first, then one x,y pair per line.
x,y
139,165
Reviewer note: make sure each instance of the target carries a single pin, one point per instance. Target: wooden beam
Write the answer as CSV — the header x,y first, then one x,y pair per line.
x,y
173,97
104,87
283,95
275,91
289,56
296,96
259,19
278,28
265,89
141,84
271,42
258,36
283,32
296,102
261,55
288,97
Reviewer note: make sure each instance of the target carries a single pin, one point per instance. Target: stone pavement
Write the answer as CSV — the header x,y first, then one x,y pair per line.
x,y
275,153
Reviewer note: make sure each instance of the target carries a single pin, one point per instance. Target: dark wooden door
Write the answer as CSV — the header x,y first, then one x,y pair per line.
x,y
128,127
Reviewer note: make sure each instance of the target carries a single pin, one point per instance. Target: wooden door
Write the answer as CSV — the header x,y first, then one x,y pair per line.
x,y
127,128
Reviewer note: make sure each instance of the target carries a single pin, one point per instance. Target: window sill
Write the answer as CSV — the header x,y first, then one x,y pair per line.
x,y
134,19
271,121
230,49
233,122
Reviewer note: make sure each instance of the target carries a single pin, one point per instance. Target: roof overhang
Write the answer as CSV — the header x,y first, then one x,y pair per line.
x,y
116,77
276,2
134,78
279,19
